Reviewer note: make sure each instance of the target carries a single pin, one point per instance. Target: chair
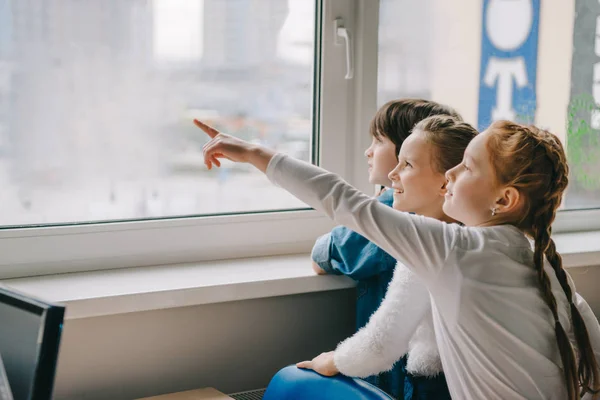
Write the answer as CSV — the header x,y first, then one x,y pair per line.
x,y
292,383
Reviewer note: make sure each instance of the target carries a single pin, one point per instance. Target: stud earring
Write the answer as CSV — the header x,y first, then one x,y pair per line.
x,y
494,211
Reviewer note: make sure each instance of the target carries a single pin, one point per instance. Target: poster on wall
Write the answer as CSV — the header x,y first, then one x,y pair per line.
x,y
509,52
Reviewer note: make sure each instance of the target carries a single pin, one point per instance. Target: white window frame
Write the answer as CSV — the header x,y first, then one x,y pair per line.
x,y
60,249
577,221
344,110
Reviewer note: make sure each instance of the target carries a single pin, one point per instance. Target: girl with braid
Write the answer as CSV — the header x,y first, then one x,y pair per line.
x,y
506,317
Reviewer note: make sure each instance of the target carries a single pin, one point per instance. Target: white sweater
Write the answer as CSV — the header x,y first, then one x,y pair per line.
x,y
494,331
402,324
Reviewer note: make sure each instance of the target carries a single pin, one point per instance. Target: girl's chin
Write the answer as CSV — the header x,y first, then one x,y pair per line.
x,y
396,205
446,208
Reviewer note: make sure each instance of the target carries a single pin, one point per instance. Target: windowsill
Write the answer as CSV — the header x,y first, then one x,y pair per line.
x,y
107,292
96,293
579,249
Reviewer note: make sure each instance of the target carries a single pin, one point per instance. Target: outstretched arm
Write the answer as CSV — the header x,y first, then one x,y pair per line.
x,y
421,243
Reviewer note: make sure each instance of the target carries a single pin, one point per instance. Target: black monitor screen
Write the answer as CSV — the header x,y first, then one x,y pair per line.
x,y
29,337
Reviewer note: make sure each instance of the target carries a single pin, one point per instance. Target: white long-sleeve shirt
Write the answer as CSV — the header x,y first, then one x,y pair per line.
x,y
494,331
402,324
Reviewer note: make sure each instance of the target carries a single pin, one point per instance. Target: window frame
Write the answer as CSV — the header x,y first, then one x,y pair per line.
x,y
342,112
577,221
44,250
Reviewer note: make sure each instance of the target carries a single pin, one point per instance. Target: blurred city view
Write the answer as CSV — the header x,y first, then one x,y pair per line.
x,y
97,98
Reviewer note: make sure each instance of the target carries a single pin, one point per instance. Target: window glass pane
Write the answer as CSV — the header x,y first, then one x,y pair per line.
x,y
97,98
525,60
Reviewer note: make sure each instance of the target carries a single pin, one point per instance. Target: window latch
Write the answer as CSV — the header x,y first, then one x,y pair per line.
x,y
341,35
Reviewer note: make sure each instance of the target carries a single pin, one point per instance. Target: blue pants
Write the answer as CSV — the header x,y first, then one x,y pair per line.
x,y
292,383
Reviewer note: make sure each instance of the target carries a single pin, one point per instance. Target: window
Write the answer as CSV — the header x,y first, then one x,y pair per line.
x,y
520,59
96,102
100,165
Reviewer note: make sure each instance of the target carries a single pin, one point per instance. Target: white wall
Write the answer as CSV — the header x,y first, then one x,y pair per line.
x,y
456,59
587,281
232,346
456,51
554,64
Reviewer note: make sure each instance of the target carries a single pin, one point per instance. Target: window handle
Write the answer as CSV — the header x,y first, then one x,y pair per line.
x,y
342,33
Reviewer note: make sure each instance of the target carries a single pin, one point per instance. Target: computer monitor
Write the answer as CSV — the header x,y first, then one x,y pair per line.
x,y
30,331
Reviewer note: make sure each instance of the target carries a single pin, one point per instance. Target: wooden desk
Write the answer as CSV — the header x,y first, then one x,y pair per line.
x,y
199,394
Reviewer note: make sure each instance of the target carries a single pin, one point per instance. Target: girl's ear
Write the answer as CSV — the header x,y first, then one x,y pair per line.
x,y
508,201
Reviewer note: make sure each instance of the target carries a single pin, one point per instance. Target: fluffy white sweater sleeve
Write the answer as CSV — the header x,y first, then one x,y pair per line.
x,y
402,324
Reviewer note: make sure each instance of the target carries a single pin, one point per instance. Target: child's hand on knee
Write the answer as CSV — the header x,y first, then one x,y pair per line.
x,y
322,364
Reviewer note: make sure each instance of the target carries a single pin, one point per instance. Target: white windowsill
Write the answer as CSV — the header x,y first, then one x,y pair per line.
x,y
107,292
96,293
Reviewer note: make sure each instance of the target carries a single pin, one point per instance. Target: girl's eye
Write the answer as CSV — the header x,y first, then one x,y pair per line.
x,y
466,167
407,164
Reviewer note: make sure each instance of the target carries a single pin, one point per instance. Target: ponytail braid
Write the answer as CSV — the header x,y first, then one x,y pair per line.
x,y
588,365
541,235
533,161
587,371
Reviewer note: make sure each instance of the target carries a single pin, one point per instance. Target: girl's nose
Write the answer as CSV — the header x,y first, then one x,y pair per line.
x,y
393,175
450,174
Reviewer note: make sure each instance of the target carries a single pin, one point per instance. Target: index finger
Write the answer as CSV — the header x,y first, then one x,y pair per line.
x,y
210,131
304,364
